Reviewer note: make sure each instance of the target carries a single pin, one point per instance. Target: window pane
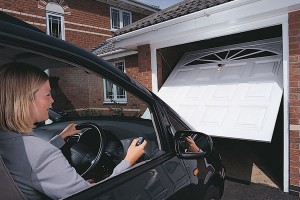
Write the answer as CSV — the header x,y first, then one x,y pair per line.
x,y
115,19
120,66
55,26
126,18
177,125
109,90
120,93
85,97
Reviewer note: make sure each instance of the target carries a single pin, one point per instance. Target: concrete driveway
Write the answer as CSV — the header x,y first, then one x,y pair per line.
x,y
254,191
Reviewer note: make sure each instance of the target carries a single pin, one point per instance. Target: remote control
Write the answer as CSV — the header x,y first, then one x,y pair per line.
x,y
140,141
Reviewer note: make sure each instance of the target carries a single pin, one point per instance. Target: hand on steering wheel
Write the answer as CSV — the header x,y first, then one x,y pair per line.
x,y
69,131
84,150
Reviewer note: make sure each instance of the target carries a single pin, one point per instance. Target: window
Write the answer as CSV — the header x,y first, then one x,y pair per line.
x,y
176,124
119,18
230,55
113,93
55,20
54,26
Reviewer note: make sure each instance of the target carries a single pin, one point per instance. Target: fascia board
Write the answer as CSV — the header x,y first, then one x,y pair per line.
x,y
117,54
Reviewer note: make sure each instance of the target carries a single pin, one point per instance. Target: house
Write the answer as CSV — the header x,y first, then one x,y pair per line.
x,y
69,20
229,67
85,24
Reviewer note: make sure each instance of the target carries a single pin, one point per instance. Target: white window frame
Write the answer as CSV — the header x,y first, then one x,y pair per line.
x,y
61,16
121,20
114,89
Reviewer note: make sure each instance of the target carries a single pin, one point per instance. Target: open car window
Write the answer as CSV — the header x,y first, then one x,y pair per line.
x,y
81,97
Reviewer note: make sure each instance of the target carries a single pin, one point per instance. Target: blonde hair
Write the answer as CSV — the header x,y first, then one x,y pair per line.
x,y
18,84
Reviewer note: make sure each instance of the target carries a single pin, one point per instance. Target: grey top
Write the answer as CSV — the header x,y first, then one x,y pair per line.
x,y
39,168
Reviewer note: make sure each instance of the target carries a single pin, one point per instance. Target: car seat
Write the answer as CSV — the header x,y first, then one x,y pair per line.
x,y
8,188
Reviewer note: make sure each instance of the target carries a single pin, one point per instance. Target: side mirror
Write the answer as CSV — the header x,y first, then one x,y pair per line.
x,y
201,140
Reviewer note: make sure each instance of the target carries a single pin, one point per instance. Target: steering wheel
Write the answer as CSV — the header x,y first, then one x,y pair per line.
x,y
84,150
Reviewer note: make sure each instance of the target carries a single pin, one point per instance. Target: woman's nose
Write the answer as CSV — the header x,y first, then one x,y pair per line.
x,y
51,100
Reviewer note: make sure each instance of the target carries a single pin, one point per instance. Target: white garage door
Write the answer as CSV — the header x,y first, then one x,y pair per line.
x,y
233,92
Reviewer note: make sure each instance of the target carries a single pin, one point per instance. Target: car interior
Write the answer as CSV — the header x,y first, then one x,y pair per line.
x,y
8,188
107,126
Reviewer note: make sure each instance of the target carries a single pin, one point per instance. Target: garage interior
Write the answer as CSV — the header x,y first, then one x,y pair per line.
x,y
245,161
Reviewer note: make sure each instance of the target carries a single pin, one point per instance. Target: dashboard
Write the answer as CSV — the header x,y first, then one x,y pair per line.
x,y
117,134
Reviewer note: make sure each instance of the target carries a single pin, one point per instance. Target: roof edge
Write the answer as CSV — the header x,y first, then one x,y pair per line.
x,y
136,3
198,14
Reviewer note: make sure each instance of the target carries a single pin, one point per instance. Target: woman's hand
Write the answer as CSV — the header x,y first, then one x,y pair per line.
x,y
191,144
135,152
69,130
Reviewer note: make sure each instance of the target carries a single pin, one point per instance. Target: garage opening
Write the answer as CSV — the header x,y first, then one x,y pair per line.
x,y
248,154
257,162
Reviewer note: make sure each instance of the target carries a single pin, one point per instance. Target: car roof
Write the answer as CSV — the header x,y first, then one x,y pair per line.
x,y
12,20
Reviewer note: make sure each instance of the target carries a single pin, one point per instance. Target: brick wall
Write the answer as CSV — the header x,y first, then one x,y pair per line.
x,y
294,63
144,73
87,23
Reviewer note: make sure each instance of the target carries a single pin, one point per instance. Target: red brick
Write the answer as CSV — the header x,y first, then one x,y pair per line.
x,y
295,134
294,182
294,58
294,146
294,163
295,152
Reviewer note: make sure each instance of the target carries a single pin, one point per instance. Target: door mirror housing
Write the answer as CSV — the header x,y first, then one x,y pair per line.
x,y
192,145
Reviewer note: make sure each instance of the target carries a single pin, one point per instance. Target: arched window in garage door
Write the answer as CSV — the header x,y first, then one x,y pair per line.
x,y
230,55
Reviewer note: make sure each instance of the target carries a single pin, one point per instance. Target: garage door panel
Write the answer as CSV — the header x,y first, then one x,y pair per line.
x,y
170,92
259,91
250,117
202,75
196,92
266,69
181,76
223,92
190,112
214,116
233,72
237,99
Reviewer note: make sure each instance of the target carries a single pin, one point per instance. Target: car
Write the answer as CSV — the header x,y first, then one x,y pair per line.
x,y
111,109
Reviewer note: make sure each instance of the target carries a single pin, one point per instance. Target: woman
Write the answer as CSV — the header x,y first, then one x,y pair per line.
x,y
38,167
